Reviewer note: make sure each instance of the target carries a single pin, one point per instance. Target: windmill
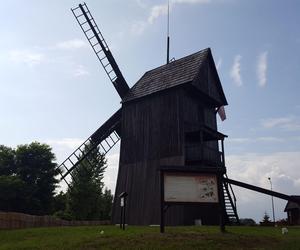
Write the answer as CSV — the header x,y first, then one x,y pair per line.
x,y
167,118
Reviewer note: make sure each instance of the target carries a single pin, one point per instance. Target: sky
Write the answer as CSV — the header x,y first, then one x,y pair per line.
x,y
53,89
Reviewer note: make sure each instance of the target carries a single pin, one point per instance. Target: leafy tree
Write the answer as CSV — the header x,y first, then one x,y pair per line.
x,y
11,186
7,161
107,201
11,193
31,169
35,166
60,202
85,191
60,207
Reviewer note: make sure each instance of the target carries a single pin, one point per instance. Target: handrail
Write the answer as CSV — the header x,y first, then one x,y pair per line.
x,y
234,198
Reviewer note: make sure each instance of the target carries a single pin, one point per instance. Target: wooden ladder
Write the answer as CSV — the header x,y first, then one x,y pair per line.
x,y
100,47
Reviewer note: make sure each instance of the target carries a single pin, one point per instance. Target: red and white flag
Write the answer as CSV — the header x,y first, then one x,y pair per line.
x,y
221,112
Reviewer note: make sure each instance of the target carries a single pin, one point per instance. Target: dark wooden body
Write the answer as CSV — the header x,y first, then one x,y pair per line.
x,y
293,210
294,216
160,129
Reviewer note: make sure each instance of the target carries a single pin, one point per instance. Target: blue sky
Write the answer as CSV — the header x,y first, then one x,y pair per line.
x,y
54,90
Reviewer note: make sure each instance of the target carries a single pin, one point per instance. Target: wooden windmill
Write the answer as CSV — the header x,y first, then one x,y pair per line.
x,y
167,118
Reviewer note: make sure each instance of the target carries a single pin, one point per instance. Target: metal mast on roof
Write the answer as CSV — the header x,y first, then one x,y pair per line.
x,y
168,33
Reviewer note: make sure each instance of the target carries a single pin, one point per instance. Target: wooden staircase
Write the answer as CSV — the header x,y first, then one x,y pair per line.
x,y
230,204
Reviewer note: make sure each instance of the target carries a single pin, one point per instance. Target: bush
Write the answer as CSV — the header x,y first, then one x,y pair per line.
x,y
282,222
63,215
247,222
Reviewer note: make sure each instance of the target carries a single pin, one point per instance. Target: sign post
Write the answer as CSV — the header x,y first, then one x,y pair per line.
x,y
181,186
123,196
162,201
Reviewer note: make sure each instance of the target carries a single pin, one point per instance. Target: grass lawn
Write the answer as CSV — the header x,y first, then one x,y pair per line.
x,y
135,237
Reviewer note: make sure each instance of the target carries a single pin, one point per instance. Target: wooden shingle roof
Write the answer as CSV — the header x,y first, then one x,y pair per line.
x,y
178,72
293,205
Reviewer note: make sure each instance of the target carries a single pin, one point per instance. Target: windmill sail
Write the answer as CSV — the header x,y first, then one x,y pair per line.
x,y
99,46
109,133
102,140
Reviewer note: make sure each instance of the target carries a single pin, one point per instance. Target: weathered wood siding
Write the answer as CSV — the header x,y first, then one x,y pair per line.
x,y
206,81
153,134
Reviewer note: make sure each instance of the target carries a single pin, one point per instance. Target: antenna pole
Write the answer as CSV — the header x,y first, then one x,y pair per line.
x,y
168,33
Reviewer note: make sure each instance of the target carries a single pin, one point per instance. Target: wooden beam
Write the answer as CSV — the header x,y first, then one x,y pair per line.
x,y
261,190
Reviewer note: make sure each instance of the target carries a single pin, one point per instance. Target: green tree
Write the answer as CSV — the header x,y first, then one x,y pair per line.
x,y
11,193
85,191
7,161
11,186
60,207
31,169
36,167
266,220
60,202
107,201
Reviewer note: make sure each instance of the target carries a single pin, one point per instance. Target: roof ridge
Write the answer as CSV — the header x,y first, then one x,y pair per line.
x,y
180,59
168,75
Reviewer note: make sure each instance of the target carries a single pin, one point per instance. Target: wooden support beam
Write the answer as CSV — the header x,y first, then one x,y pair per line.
x,y
261,190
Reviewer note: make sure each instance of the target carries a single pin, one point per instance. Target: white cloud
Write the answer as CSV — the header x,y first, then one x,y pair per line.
x,y
69,143
159,10
255,140
141,3
289,123
39,55
255,169
71,44
240,140
81,71
138,27
273,122
235,72
111,172
28,57
262,66
162,9
269,139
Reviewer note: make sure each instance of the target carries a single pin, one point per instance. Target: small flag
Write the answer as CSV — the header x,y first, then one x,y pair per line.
x,y
221,112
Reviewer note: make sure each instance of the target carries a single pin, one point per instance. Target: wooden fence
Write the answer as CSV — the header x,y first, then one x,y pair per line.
x,y
9,220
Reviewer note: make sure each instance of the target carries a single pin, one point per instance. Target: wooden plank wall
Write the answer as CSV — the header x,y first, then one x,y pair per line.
x,y
206,81
153,135
150,137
